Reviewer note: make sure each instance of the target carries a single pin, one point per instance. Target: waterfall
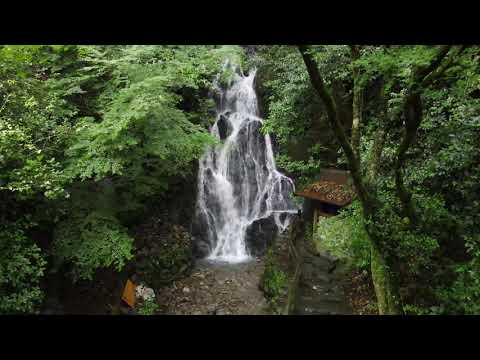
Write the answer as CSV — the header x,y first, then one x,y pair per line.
x,y
239,186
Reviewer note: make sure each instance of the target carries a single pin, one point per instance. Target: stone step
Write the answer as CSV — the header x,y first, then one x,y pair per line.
x,y
318,263
322,312
333,298
327,307
312,276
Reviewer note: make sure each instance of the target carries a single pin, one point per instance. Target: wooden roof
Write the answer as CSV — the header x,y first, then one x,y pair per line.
x,y
332,188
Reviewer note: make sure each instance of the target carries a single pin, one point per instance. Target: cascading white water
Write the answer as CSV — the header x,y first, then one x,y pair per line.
x,y
238,181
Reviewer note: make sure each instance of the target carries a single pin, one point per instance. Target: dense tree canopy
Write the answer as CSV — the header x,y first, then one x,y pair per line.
x,y
88,133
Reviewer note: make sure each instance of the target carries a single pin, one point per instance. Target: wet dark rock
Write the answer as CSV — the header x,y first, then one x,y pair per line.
x,y
199,230
260,235
224,127
200,249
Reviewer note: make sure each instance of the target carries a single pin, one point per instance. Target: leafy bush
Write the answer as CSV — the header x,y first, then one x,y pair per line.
x,y
21,268
344,236
463,296
274,281
92,241
148,307
304,171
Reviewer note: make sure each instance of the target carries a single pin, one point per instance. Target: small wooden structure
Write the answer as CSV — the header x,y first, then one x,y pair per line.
x,y
128,295
327,196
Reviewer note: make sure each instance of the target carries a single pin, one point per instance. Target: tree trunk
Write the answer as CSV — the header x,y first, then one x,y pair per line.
x,y
357,104
357,119
386,288
378,141
376,155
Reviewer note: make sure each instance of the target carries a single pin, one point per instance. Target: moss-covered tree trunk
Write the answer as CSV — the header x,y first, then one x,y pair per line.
x,y
357,105
356,121
386,288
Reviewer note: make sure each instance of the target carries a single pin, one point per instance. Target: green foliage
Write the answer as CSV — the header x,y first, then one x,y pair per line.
x,y
21,268
463,296
344,236
148,307
88,133
286,90
335,62
397,63
31,177
91,242
27,163
274,281
293,113
436,258
304,170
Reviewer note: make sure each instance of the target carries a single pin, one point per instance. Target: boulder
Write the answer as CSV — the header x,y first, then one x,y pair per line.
x,y
201,249
224,127
144,293
199,230
260,235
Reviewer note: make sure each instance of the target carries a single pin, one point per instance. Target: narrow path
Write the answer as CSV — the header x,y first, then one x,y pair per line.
x,y
320,290
216,289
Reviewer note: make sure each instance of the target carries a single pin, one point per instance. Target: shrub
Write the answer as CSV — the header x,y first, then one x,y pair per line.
x,y
21,269
148,307
90,242
274,281
344,236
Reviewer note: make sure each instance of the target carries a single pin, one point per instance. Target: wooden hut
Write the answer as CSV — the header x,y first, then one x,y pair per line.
x,y
325,197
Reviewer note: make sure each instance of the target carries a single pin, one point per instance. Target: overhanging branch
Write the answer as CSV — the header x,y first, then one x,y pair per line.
x,y
413,111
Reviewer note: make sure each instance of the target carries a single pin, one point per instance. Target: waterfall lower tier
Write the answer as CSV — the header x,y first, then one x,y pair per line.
x,y
242,199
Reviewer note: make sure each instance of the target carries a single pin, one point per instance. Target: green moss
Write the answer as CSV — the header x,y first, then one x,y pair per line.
x,y
274,282
148,307
344,236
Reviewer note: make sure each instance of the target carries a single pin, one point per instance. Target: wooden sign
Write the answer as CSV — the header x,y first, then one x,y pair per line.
x,y
129,294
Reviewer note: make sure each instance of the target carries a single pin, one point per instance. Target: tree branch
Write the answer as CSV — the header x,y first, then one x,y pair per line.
x,y
436,73
413,111
355,49
319,86
422,72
